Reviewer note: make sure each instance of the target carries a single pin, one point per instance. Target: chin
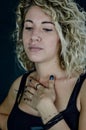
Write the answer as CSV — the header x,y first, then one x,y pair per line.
x,y
35,60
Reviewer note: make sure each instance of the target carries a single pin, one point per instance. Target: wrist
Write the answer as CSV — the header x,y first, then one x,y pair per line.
x,y
47,110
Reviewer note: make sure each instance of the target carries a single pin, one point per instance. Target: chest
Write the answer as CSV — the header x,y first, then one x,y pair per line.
x,y
64,90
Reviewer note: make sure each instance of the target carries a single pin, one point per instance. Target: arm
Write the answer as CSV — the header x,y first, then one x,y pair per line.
x,y
47,111
47,108
6,106
44,97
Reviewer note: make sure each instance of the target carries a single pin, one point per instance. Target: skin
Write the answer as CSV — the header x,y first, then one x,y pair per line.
x,y
42,45
37,37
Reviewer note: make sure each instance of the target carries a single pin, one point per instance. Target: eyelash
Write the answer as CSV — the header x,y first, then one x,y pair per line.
x,y
48,30
28,28
45,29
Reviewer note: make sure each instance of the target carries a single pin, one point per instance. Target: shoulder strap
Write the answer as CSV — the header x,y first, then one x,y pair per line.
x,y
76,89
22,86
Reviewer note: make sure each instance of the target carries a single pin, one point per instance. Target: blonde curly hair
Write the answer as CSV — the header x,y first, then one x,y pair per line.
x,y
70,22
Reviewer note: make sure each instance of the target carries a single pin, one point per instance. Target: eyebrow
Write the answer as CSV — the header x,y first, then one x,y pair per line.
x,y
28,20
44,22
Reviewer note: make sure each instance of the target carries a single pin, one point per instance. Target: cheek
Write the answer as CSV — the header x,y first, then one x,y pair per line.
x,y
25,40
55,42
26,35
55,45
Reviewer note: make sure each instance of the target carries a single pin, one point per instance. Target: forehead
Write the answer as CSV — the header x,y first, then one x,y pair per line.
x,y
37,13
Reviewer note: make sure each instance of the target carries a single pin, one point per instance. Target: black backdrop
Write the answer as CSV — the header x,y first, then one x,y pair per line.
x,y
9,69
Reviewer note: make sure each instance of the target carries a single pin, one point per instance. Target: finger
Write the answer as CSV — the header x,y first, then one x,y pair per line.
x,y
51,81
30,88
36,83
38,86
33,83
29,91
28,95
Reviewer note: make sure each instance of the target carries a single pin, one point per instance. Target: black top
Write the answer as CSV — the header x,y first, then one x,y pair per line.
x,y
20,120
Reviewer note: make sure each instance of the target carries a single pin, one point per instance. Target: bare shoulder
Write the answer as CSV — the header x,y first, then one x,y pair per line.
x,y
14,89
15,85
9,101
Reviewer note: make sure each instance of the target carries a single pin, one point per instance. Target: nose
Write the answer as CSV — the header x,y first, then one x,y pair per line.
x,y
36,36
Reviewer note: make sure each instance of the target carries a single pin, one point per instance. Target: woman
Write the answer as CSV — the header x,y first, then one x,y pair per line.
x,y
51,95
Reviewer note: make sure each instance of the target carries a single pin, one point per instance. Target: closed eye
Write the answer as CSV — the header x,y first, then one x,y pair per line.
x,y
28,28
47,29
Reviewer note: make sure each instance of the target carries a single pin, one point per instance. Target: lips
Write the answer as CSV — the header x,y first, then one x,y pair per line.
x,y
35,49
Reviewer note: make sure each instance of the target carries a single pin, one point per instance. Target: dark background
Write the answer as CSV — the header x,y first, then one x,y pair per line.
x,y
9,69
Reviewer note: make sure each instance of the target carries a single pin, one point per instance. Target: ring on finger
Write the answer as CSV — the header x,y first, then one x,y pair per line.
x,y
37,86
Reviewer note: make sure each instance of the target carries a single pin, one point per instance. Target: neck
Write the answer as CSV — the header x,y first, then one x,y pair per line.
x,y
44,70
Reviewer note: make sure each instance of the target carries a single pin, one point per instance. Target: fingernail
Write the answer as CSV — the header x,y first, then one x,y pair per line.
x,y
51,77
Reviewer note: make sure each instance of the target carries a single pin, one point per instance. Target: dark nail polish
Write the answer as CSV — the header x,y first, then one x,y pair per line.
x,y
51,77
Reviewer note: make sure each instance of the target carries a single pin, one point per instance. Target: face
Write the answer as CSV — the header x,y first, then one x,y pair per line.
x,y
40,38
